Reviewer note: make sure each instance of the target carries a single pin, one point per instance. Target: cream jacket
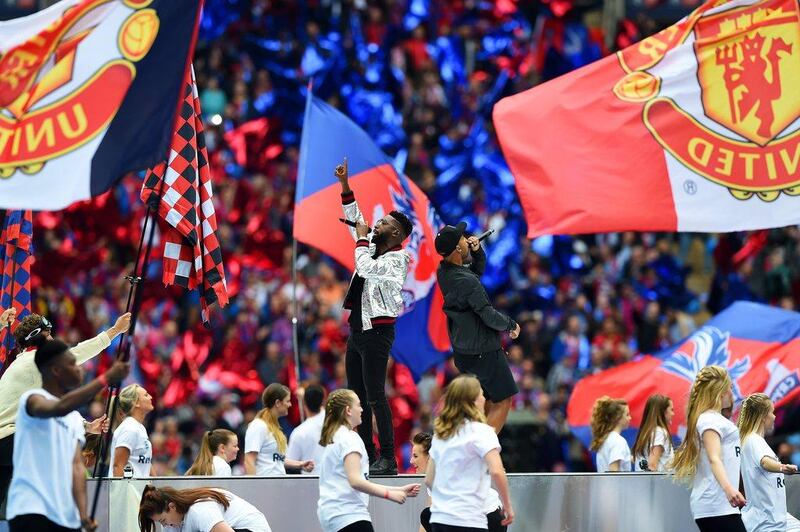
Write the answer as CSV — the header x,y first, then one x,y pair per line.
x,y
22,375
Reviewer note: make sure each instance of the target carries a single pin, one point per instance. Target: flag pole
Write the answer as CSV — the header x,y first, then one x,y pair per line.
x,y
123,351
134,280
295,304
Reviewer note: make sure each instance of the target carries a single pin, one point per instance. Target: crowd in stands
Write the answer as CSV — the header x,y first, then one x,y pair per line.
x,y
421,77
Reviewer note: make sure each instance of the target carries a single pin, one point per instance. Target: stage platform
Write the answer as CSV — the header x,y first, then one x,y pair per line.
x,y
634,502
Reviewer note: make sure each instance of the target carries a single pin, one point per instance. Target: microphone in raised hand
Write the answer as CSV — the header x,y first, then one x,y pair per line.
x,y
353,224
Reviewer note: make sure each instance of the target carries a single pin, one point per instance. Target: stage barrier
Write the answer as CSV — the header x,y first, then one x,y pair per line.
x,y
545,502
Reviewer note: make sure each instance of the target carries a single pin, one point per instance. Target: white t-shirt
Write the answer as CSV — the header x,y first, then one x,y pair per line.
x,y
133,436
461,482
708,499
614,448
44,449
204,515
304,441
765,510
221,467
339,504
492,502
660,437
258,439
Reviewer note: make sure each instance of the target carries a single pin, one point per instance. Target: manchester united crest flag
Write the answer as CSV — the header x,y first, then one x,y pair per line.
x,y
88,93
696,128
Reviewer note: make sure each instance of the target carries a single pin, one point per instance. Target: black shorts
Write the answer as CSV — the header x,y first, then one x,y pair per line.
x,y
493,372
37,523
722,523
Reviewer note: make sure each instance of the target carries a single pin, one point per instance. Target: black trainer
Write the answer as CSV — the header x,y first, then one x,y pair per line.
x,y
383,467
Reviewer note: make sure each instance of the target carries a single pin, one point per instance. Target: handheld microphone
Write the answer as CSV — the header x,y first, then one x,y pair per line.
x,y
353,224
483,236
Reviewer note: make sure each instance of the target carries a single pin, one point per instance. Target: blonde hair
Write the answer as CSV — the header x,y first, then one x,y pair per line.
x,y
655,415
754,409
204,463
606,413
126,401
275,392
709,386
459,406
336,414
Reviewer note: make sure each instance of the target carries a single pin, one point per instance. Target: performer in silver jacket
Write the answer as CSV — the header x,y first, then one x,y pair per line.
x,y
375,301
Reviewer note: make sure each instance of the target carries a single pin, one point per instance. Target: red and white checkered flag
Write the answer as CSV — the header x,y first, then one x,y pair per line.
x,y
192,256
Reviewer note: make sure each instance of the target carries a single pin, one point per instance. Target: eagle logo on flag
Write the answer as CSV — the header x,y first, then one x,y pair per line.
x,y
36,125
707,347
741,128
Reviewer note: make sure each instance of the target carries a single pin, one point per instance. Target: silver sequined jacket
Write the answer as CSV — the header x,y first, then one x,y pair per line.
x,y
384,276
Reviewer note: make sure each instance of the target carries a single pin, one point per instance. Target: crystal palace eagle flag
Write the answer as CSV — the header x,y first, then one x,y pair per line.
x,y
88,92
328,137
696,128
759,345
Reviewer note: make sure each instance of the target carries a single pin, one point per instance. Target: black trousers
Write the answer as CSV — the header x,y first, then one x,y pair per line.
x,y
358,526
366,361
37,523
722,523
6,470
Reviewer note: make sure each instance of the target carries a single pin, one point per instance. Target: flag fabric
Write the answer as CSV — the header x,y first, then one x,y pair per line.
x,y
16,258
88,90
759,345
693,129
328,137
181,190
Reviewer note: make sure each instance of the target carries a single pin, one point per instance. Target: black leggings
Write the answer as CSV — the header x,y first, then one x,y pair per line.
x,y
365,363
722,523
358,526
6,470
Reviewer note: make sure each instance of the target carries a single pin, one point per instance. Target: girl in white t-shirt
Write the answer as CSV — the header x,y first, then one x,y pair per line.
x,y
198,510
344,488
762,472
265,442
217,450
653,445
420,456
709,455
464,461
609,418
130,444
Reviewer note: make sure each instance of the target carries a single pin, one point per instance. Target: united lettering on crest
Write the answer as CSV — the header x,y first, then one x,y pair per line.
x,y
33,129
748,71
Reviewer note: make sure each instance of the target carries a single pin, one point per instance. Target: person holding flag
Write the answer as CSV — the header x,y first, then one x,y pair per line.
x,y
48,489
375,301
22,376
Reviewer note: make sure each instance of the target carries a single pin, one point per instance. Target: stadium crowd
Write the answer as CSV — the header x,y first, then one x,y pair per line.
x,y
421,77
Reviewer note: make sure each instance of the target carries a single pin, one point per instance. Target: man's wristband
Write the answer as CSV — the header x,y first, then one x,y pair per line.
x,y
103,380
386,495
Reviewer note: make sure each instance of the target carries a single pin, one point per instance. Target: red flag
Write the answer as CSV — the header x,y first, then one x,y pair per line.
x,y
693,129
182,189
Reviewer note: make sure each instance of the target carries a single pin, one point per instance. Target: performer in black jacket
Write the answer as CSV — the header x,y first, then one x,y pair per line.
x,y
474,325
